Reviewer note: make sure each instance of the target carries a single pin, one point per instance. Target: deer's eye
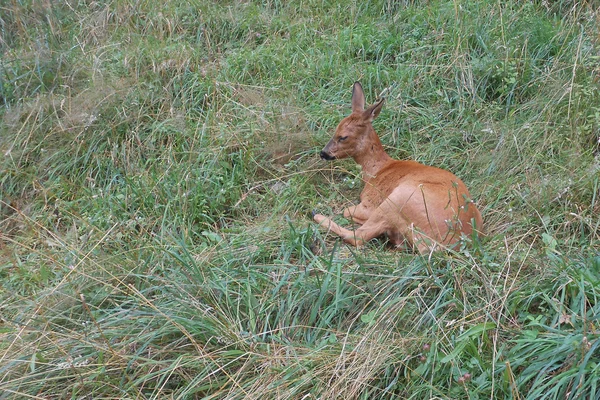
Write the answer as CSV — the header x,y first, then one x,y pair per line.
x,y
342,138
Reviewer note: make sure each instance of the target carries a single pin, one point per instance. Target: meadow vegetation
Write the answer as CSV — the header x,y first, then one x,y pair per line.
x,y
159,166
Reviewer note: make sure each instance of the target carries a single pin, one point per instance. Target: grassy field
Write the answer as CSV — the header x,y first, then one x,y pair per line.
x,y
159,166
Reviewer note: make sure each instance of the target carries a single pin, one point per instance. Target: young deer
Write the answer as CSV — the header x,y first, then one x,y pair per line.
x,y
425,207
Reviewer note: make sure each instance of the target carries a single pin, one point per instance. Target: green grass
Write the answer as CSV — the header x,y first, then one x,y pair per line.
x,y
160,165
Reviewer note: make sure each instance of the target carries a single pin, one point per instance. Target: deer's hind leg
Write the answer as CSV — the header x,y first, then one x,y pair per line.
x,y
398,227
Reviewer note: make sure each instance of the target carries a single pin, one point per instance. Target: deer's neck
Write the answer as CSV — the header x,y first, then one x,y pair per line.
x,y
373,158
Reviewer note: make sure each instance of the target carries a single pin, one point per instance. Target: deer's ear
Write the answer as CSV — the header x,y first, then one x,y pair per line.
x,y
372,112
358,98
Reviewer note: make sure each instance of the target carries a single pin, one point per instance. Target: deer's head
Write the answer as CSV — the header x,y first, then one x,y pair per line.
x,y
354,134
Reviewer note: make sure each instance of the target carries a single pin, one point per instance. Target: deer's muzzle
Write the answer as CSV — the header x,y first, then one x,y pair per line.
x,y
327,156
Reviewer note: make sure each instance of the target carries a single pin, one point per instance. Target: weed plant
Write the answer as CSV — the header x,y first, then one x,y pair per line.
x,y
159,165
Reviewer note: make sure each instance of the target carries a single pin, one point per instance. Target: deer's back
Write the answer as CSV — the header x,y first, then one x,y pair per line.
x,y
409,175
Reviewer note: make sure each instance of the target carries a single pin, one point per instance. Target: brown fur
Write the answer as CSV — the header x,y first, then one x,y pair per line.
x,y
425,207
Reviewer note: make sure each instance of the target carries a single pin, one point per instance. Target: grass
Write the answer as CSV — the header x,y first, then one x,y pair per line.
x,y
160,165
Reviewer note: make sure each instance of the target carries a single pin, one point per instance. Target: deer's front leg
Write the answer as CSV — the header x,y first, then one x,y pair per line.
x,y
375,226
346,234
359,213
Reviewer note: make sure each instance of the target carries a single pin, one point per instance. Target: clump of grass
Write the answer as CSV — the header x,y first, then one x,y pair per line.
x,y
160,167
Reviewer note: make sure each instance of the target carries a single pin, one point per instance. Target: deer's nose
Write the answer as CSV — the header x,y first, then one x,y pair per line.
x,y
326,156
